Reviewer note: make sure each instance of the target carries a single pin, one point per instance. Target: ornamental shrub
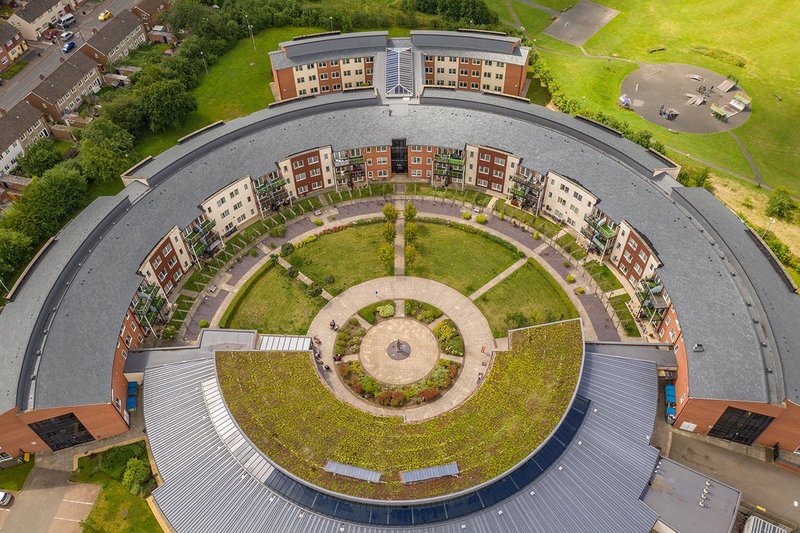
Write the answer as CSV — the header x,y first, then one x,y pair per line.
x,y
287,249
411,232
410,254
137,474
314,291
428,394
444,331
277,231
536,236
317,221
466,215
566,263
370,386
203,323
292,272
169,333
389,231
390,213
480,219
410,212
330,280
254,253
113,462
386,253
386,311
580,290
516,320
570,278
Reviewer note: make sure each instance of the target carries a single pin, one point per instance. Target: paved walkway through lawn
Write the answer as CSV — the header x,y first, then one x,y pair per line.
x,y
471,323
498,278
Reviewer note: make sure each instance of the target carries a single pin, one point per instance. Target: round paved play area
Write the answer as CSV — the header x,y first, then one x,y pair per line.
x,y
674,86
423,353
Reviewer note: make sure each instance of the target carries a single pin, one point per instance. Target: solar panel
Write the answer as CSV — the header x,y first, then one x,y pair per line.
x,y
433,472
354,472
399,72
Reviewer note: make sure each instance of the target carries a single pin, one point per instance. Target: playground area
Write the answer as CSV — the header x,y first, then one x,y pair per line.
x,y
685,98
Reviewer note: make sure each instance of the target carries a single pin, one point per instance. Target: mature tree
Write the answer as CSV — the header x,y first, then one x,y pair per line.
x,y
125,110
103,132
106,150
166,104
390,212
39,157
410,212
15,249
410,254
386,253
781,204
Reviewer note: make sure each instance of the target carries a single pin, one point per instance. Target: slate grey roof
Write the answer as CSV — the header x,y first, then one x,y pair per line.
x,y
151,6
676,491
594,486
64,77
7,32
465,40
114,32
35,9
16,122
184,175
328,47
772,294
519,57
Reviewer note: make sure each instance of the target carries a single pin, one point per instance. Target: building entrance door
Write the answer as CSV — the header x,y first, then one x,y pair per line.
x,y
399,156
737,425
62,431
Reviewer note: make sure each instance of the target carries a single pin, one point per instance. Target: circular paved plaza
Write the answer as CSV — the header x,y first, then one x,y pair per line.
x,y
422,356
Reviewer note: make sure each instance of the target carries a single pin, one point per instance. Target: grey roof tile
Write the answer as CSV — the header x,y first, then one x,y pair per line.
x,y
64,77
35,9
114,32
16,122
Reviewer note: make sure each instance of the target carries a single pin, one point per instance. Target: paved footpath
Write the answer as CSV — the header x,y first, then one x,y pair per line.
x,y
497,279
471,323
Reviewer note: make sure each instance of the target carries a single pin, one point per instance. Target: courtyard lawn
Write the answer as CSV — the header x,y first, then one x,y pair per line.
x,y
349,255
242,73
374,189
715,35
271,302
116,509
282,406
467,195
624,314
602,276
531,291
533,20
13,478
536,93
465,261
569,244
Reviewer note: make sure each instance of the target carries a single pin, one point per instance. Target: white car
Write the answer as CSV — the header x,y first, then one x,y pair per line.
x,y
5,498
66,36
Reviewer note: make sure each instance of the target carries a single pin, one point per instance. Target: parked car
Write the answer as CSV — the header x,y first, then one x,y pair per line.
x,y
50,34
66,36
5,498
105,15
68,46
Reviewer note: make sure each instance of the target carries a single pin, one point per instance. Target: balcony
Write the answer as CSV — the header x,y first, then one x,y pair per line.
x,y
603,229
268,187
653,294
199,231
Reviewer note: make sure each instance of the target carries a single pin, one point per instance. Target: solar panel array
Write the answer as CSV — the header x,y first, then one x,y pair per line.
x,y
399,72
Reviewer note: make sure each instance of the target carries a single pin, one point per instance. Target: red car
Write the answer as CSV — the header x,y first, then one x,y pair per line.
x,y
50,34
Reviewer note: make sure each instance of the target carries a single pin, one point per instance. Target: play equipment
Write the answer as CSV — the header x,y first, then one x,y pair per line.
x,y
624,101
667,113
739,103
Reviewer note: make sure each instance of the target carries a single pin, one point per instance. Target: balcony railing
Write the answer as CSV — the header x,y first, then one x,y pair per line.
x,y
600,226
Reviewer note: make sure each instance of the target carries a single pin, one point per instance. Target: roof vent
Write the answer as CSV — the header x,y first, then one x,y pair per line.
x,y
698,348
702,503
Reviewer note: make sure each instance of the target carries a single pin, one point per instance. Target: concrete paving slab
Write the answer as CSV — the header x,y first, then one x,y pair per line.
x,y
580,23
424,351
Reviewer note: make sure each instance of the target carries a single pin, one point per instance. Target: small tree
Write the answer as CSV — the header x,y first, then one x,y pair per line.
x,y
410,212
389,231
390,212
39,157
137,474
166,104
411,232
781,204
203,324
516,320
386,253
169,333
411,254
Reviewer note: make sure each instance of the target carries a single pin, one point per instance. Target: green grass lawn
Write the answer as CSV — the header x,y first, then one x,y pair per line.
x,y
373,189
530,290
462,260
349,255
197,281
532,19
291,416
13,478
271,302
569,244
536,93
116,509
237,85
628,322
540,224
105,188
14,69
725,30
603,276
451,193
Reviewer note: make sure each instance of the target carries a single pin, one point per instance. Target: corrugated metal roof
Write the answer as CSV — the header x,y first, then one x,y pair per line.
x,y
432,472
341,469
756,524
595,485
284,343
486,42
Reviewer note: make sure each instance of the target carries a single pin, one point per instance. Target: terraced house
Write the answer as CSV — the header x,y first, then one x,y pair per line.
x,y
63,90
122,35
12,45
37,15
19,128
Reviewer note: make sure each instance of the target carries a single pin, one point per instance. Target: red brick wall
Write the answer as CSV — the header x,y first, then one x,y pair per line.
x,y
514,79
47,108
371,156
165,258
635,259
284,83
329,70
368,66
430,78
469,79
307,167
425,152
492,167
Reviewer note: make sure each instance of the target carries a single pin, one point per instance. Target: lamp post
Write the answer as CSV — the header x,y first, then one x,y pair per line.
x,y
250,31
770,223
331,19
203,57
794,504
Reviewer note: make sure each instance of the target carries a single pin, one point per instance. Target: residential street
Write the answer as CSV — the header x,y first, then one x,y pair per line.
x,y
15,89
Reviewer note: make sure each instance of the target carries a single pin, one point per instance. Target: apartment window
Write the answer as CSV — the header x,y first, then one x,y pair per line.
x,y
497,173
314,172
498,76
313,77
226,213
314,90
564,188
323,76
476,61
451,83
298,68
234,193
298,164
577,196
473,86
416,173
310,66
228,227
316,185
440,70
488,63
483,170
628,257
485,86
302,92
485,157
416,148
241,218
322,64
462,85
416,160
573,209
499,161
172,262
301,79
497,186
325,88
483,182
334,75
302,190
346,73
623,269
561,201
428,70
487,74
300,177
463,72
348,85
667,320
220,201
337,87
313,159
451,71
632,244
638,269
237,205
157,262
642,255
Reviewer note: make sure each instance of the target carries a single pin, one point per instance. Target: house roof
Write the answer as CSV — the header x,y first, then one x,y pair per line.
x,y
465,40
328,47
7,32
16,122
595,484
64,77
35,9
151,6
114,32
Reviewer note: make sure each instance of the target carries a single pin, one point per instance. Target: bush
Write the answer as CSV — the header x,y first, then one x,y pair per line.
x,y
781,204
390,212
389,231
480,219
444,331
410,254
369,386
330,279
516,320
292,272
580,290
277,231
137,474
114,461
410,212
386,311
386,253
570,278
566,262
428,394
203,324
411,232
536,236
317,221
287,249
169,333
254,253
314,291
466,215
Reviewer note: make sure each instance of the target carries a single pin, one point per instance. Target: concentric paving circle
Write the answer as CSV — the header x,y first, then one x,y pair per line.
x,y
421,346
